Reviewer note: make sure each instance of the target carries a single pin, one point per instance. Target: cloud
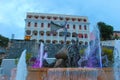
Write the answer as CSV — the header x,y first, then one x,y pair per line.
x,y
13,12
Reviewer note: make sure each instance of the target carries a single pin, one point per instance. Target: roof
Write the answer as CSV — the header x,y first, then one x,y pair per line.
x,y
116,31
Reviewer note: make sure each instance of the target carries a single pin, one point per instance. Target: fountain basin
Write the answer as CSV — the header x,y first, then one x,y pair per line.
x,y
70,74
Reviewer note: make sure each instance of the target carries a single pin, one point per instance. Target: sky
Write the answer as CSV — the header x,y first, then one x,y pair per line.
x,y
13,12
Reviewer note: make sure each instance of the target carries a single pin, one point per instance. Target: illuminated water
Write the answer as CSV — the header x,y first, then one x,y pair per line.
x,y
117,60
22,67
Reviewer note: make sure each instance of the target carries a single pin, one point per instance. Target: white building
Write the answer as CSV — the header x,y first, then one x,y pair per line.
x,y
37,27
108,43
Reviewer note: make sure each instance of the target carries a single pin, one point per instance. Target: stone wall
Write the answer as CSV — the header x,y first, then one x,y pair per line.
x,y
17,46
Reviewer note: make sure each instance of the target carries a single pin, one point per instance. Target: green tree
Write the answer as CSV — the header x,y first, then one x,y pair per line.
x,y
3,41
106,31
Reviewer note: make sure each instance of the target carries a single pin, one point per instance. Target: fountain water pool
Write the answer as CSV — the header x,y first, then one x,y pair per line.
x,y
89,73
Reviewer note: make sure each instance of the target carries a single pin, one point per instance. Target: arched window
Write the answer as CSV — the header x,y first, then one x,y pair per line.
x,y
28,32
36,17
48,17
42,17
61,42
68,34
48,41
41,40
35,32
29,16
55,18
79,19
81,42
73,19
67,42
41,33
48,33
55,33
61,18
67,18
54,41
61,33
74,34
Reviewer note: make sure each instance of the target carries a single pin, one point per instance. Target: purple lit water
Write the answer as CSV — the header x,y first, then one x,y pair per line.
x,y
93,52
41,55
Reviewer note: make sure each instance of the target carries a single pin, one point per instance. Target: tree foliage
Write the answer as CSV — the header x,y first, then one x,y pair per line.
x,y
3,41
106,31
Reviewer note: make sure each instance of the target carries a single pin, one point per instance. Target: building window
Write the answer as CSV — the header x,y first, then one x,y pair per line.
x,y
35,24
29,16
85,28
54,41
55,18
80,27
48,25
28,32
67,26
29,24
61,42
79,19
48,41
80,35
60,18
36,17
86,43
61,33
85,20
55,34
67,18
41,40
74,26
81,42
41,33
67,42
73,19
42,17
74,34
42,24
35,32
86,36
48,17
48,33
68,34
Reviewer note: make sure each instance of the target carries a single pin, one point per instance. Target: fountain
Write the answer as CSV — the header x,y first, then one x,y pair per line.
x,y
93,54
21,67
67,65
41,55
117,60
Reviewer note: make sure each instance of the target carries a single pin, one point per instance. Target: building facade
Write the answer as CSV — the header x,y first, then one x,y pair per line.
x,y
38,27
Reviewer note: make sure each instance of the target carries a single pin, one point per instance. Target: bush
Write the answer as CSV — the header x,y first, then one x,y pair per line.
x,y
108,52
